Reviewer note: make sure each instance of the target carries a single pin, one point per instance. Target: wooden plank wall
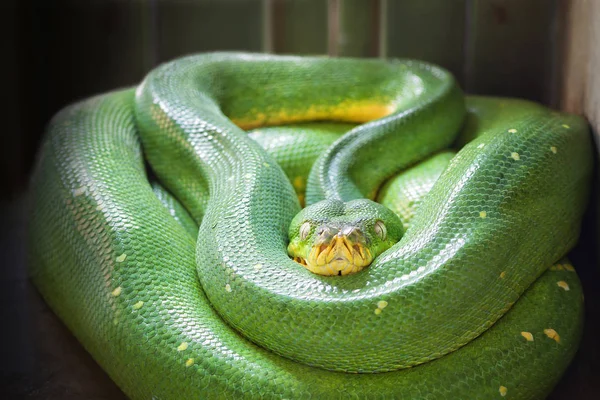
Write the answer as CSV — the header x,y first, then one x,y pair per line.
x,y
72,49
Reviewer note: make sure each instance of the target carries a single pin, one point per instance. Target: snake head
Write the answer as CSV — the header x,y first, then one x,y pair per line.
x,y
332,237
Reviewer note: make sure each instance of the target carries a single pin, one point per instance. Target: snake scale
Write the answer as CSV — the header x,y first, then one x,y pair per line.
x,y
200,299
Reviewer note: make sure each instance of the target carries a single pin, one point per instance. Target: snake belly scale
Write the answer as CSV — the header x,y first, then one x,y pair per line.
x,y
148,300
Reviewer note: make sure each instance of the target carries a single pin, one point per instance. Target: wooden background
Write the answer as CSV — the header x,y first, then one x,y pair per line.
x,y
58,51
69,49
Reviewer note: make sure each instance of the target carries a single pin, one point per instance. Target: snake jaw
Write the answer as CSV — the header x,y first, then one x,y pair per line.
x,y
338,254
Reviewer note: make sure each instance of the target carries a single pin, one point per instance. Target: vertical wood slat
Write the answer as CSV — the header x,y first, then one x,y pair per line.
x,y
576,56
333,27
354,28
268,18
299,26
509,48
209,25
432,30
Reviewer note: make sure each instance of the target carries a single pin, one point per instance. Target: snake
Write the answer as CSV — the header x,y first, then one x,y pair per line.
x,y
428,261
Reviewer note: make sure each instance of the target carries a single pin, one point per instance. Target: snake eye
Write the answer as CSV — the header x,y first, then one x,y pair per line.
x,y
304,230
380,230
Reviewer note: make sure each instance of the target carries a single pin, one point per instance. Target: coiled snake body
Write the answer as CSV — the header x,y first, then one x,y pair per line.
x,y
466,297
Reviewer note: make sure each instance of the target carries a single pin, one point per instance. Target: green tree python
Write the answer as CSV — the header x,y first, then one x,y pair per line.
x,y
205,289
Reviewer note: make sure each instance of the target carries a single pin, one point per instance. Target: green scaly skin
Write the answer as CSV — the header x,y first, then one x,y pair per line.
x,y
148,301
296,147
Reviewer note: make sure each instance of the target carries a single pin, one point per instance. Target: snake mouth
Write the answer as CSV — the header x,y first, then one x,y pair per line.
x,y
339,256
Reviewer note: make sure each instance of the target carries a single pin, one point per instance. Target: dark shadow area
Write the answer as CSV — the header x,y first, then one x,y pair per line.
x,y
581,379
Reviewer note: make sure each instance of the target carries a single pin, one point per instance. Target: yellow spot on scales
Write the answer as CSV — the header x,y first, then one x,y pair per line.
x,y
553,149
528,336
482,214
266,165
562,267
228,288
564,285
502,274
121,258
565,126
189,362
503,390
138,305
380,306
481,146
515,156
551,333
512,130
258,267
117,291
183,346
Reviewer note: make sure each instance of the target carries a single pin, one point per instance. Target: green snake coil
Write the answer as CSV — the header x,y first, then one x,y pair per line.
x,y
466,305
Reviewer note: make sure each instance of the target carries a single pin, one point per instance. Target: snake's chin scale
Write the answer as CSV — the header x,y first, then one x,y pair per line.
x,y
340,256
